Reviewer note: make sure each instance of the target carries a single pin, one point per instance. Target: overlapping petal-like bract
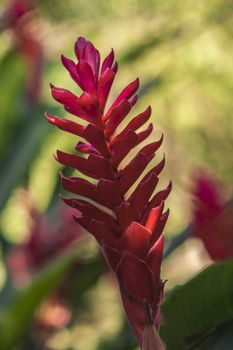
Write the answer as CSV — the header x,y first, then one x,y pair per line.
x,y
128,227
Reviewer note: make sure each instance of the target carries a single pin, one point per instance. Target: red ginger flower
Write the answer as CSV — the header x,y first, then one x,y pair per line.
x,y
19,17
213,218
127,227
43,243
14,12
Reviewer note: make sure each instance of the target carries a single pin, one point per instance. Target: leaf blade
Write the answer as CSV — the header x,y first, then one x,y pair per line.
x,y
202,304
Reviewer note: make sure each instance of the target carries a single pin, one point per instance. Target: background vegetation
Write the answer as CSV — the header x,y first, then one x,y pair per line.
x,y
182,52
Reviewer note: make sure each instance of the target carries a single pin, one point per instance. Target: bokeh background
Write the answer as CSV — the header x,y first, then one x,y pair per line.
x,y
182,51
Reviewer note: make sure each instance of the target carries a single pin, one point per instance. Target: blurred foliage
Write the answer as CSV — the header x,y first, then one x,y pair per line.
x,y
9,120
182,52
25,302
124,340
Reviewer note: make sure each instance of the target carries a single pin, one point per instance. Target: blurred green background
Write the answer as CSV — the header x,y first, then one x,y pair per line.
x,y
182,51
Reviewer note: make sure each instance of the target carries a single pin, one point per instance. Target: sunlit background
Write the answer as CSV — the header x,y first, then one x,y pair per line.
x,y
182,52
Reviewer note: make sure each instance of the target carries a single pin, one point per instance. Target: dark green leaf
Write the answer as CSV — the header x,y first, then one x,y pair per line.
x,y
221,339
193,310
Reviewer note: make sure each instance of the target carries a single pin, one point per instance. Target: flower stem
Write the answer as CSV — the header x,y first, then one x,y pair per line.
x,y
151,339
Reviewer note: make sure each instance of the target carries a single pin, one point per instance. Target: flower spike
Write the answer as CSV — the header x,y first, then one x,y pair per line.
x,y
128,227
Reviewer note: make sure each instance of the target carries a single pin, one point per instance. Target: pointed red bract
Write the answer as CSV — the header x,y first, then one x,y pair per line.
x,y
115,207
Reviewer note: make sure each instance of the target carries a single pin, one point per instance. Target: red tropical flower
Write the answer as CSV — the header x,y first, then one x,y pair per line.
x,y
19,17
128,227
213,218
15,10
44,242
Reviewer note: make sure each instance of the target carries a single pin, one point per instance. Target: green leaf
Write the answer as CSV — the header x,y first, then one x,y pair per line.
x,y
12,72
222,338
195,309
17,315
14,168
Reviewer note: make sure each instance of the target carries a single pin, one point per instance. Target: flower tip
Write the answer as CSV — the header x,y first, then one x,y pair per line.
x,y
159,167
53,90
161,138
80,42
150,126
112,54
169,187
81,38
166,214
154,217
55,156
49,118
64,59
149,110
